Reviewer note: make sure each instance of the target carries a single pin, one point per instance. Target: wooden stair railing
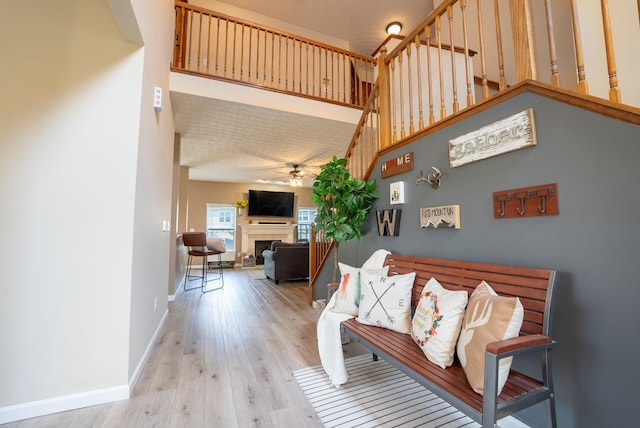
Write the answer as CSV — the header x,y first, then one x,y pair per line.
x,y
431,84
422,82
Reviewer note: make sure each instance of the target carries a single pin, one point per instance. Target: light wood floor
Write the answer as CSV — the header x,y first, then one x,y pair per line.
x,y
224,359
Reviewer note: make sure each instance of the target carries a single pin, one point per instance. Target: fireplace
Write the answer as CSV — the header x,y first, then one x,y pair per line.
x,y
260,246
264,232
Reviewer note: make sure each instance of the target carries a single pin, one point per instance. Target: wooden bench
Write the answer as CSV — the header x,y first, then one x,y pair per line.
x,y
534,287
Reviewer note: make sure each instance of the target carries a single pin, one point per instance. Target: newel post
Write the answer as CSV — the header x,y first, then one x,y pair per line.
x,y
384,95
313,263
524,45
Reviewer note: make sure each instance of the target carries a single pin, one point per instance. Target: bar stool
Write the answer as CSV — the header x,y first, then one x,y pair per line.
x,y
197,244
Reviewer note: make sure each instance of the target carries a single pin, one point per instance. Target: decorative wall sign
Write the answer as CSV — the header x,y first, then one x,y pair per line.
x,y
400,164
396,193
531,201
444,217
388,222
506,135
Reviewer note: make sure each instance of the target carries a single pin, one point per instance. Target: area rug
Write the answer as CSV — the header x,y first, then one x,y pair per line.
x,y
376,395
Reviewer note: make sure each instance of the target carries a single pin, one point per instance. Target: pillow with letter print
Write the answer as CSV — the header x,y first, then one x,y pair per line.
x,y
488,318
385,301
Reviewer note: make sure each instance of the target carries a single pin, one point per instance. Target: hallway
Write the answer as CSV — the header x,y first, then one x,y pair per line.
x,y
224,359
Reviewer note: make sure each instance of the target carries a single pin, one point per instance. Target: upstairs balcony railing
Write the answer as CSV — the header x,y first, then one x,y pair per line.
x,y
215,45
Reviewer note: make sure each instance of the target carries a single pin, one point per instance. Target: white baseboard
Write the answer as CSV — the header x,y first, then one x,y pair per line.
x,y
62,403
179,289
147,352
79,400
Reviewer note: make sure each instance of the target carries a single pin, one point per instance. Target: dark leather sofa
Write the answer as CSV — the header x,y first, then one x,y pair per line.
x,y
286,261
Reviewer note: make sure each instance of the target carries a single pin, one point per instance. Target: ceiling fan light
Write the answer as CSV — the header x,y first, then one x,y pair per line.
x,y
394,28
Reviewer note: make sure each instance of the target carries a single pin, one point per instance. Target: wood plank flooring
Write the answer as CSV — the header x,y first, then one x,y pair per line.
x,y
224,359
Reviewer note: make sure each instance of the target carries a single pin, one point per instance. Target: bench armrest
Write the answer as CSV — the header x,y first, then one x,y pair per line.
x,y
496,351
518,345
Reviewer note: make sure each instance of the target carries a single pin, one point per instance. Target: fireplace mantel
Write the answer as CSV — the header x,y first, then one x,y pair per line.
x,y
253,232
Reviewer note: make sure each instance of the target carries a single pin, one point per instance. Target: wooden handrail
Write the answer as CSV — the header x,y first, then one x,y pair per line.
x,y
220,46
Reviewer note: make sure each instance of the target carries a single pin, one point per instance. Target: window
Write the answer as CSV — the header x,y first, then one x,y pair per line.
x,y
224,216
306,216
221,223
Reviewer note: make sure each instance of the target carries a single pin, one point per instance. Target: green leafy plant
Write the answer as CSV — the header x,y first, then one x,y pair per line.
x,y
342,203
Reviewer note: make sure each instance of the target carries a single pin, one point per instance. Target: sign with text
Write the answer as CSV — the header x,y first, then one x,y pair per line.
x,y
444,217
397,165
506,135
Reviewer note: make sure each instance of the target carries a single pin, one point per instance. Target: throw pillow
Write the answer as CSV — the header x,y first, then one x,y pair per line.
x,y
386,301
437,320
348,293
488,318
216,244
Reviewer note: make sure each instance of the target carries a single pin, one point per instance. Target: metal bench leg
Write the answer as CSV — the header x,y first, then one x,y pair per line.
x,y
547,379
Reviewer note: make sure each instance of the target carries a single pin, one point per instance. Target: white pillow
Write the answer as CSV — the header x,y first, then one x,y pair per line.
x,y
385,301
216,244
348,293
488,318
437,320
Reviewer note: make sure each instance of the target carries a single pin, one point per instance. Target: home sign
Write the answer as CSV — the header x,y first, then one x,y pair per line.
x,y
397,165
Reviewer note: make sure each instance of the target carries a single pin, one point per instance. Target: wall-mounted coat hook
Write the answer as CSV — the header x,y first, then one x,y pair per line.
x,y
522,196
433,178
543,194
530,201
502,199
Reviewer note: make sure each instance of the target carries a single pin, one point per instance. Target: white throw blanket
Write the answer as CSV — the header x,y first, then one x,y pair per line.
x,y
329,340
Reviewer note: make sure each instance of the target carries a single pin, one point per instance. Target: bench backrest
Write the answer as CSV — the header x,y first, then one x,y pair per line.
x,y
534,287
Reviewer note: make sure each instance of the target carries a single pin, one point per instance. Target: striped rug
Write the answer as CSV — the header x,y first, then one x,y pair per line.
x,y
376,395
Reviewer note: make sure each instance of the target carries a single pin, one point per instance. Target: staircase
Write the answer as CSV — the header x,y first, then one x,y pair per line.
x,y
465,56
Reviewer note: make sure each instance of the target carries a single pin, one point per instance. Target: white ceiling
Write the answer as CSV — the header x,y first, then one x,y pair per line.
x,y
233,142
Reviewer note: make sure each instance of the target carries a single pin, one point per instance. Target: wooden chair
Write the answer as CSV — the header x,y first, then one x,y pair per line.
x,y
196,242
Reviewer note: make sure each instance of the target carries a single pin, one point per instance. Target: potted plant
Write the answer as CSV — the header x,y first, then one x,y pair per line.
x,y
342,203
240,204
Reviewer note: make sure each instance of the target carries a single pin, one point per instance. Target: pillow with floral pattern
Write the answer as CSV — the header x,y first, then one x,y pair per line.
x,y
437,320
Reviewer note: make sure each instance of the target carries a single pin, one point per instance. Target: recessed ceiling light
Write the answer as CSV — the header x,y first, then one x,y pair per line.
x,y
394,28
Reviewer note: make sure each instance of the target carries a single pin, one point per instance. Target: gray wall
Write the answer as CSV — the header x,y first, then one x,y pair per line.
x,y
594,243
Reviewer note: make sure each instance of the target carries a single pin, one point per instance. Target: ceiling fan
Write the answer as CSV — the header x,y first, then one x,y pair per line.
x,y
296,175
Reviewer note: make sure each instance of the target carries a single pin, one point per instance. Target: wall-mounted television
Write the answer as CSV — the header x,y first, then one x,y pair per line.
x,y
265,203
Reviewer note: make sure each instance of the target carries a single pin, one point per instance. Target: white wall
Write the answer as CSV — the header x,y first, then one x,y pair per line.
x,y
83,172
221,6
151,244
